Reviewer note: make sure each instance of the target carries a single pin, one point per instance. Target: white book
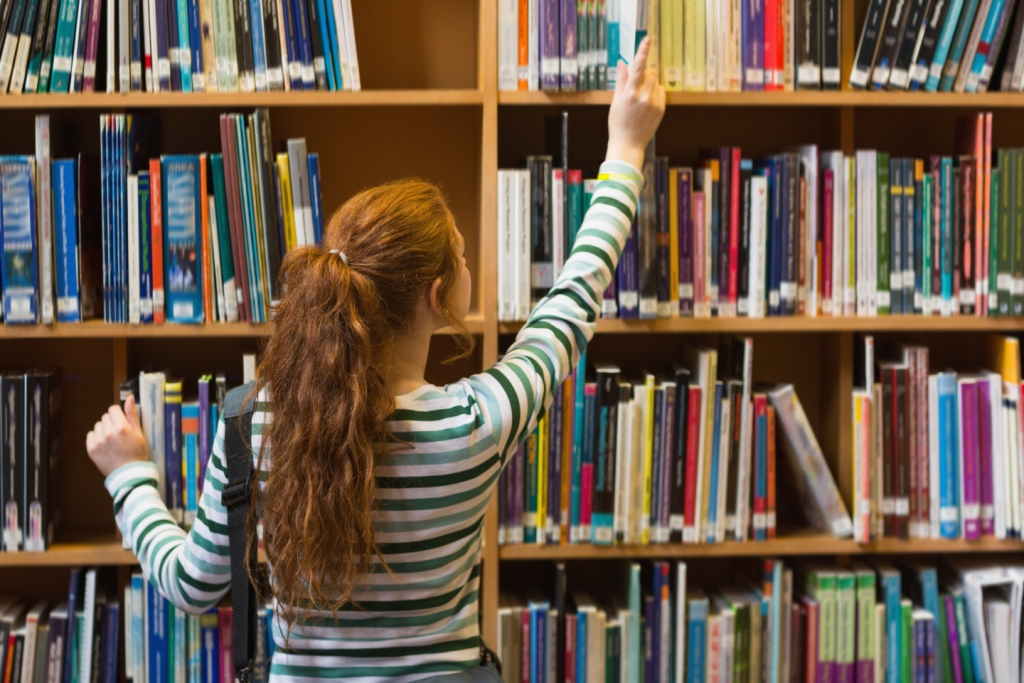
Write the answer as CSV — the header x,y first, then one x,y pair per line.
x,y
680,633
1013,445
623,462
701,367
725,429
533,44
127,614
21,61
7,55
506,266
281,73
740,524
865,172
834,162
849,236
736,47
934,499
726,650
758,242
1017,498
508,44
523,253
124,73
296,162
724,39
637,520
248,367
44,212
151,415
218,280
28,659
294,70
710,45
999,465
85,642
350,44
557,222
132,193
809,164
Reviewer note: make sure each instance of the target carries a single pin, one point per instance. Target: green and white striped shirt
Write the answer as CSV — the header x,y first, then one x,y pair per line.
x,y
421,619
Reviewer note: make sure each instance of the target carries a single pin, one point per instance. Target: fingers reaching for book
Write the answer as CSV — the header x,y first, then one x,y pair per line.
x,y
116,439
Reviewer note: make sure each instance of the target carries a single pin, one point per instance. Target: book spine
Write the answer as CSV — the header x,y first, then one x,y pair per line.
x,y
197,69
808,56
686,255
24,45
568,33
773,38
967,408
942,47
959,43
756,33
180,10
243,45
830,43
136,31
933,24
899,77
47,14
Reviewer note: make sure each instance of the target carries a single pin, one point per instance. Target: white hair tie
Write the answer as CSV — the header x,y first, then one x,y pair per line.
x,y
340,254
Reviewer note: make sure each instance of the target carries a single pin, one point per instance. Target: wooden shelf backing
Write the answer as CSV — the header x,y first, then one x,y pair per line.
x,y
803,98
375,98
101,330
896,323
799,543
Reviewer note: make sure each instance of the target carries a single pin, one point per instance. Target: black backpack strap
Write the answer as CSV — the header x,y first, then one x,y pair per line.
x,y
236,497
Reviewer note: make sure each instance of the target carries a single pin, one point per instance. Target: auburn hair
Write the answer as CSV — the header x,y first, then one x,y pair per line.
x,y
325,367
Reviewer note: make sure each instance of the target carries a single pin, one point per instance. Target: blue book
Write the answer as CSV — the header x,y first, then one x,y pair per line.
x,y
81,35
211,650
946,178
933,662
160,46
259,44
305,43
65,225
927,593
651,631
554,475
956,48
190,459
628,283
709,533
60,74
581,646
184,45
316,202
249,213
777,190
111,632
172,447
145,251
696,645
889,592
753,46
197,78
538,637
138,621
949,475
942,46
293,65
18,227
332,35
988,32
326,16
75,597
656,452
173,43
156,648
182,239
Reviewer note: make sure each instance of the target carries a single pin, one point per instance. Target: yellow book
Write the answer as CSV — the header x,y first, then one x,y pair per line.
x,y
693,45
542,480
673,241
654,33
672,45
647,457
1004,357
287,210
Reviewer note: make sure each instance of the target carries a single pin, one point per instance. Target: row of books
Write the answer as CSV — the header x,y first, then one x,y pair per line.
x,y
696,45
55,46
814,622
938,454
960,46
136,238
30,450
806,232
684,456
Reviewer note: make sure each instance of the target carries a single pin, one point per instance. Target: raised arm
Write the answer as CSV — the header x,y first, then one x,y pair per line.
x,y
516,390
193,569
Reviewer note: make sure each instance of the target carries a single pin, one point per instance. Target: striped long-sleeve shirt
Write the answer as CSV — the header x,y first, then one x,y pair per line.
x,y
421,618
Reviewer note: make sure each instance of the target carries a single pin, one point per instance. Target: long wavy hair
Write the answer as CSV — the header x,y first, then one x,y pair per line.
x,y
325,367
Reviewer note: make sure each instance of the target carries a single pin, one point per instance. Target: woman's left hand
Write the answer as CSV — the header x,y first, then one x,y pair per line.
x,y
117,438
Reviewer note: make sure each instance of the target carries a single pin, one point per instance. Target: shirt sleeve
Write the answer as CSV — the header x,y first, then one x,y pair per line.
x,y
191,569
516,391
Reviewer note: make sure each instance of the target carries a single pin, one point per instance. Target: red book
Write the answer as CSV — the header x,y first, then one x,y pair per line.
x,y
772,37
586,481
227,140
828,297
690,519
570,647
734,227
156,222
227,664
526,642
811,651
523,50
770,516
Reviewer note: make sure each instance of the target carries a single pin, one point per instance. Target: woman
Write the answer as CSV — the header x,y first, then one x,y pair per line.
x,y
374,506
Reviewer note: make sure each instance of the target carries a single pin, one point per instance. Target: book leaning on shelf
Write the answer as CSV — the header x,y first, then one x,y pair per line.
x,y
685,456
60,46
769,621
139,238
807,232
696,45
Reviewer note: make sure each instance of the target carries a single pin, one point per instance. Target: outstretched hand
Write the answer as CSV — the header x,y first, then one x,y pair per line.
x,y
637,108
117,438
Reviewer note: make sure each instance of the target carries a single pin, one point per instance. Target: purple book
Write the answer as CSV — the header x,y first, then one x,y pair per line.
x,y
954,639
629,295
685,242
550,45
986,399
517,488
569,64
205,431
610,305
91,47
968,409
920,647
930,652
753,44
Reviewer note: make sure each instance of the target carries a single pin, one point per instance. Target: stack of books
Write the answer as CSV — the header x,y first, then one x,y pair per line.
x,y
686,456
76,46
696,45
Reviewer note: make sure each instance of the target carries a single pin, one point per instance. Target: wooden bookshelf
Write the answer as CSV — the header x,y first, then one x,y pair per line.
x,y
431,108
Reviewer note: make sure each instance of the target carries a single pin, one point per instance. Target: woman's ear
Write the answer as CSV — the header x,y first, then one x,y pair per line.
x,y
434,298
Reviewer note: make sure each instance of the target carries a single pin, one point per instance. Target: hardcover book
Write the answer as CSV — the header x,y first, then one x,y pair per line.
x,y
182,247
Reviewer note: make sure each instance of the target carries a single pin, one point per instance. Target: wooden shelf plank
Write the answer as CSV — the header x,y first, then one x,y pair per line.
x,y
793,545
101,330
897,323
375,98
807,98
104,550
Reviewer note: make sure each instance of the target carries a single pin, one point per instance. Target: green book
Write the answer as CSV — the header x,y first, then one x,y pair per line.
x,y
846,623
943,643
574,196
883,296
820,583
926,241
1017,296
1005,274
76,647
227,261
906,640
993,245
865,586
531,534
612,651
965,643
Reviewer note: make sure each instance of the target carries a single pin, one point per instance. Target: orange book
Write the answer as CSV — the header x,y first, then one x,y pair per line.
x,y
207,255
770,438
524,45
157,241
568,413
10,658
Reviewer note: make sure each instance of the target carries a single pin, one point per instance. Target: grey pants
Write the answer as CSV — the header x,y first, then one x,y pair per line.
x,y
485,673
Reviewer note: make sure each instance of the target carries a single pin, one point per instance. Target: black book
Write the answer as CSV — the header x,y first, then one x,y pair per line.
x,y
831,71
174,48
677,498
605,440
42,430
935,19
560,611
743,276
996,58
46,66
724,225
556,145
17,655
35,53
790,205
808,45
889,44
734,395
129,387
958,229
272,35
625,399
305,54
269,205
136,60
243,46
96,652
111,642
899,78
666,297
55,644
317,43
10,40
1008,57
542,268
12,460
6,9
867,48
